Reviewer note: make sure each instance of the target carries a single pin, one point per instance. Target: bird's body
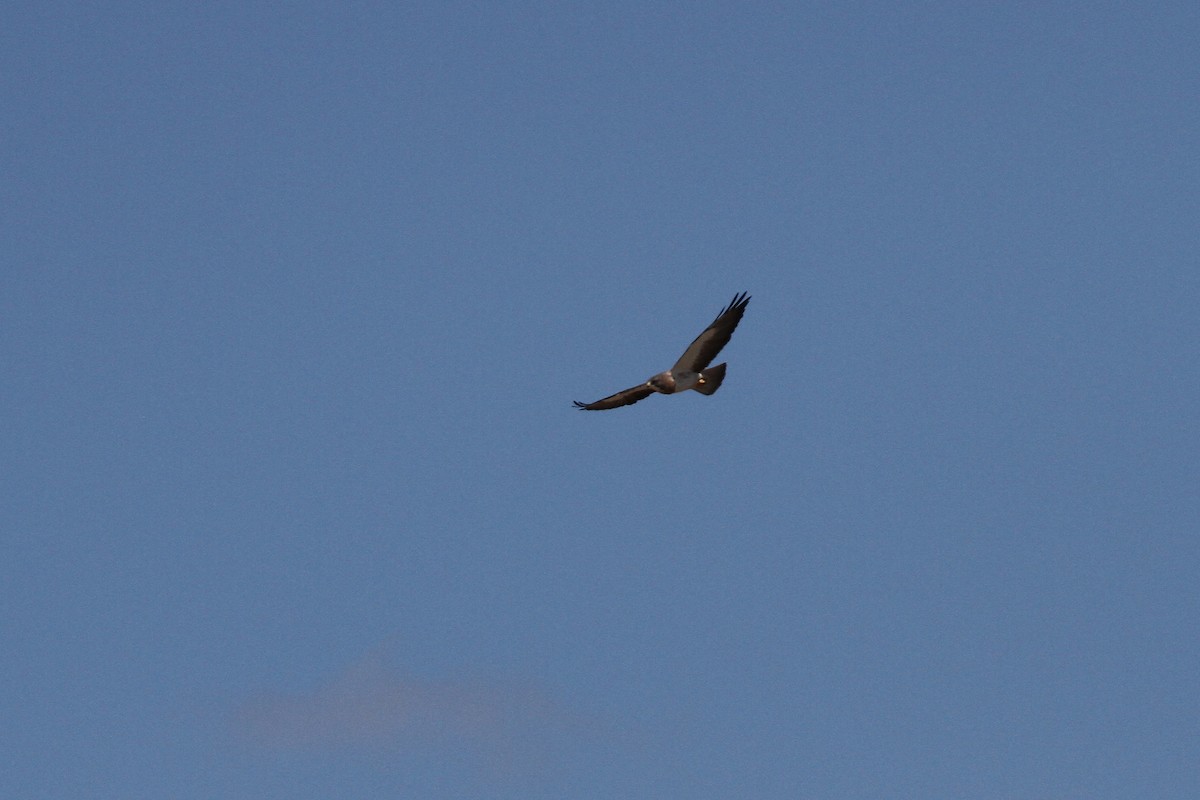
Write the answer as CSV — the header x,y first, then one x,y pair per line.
x,y
673,381
691,371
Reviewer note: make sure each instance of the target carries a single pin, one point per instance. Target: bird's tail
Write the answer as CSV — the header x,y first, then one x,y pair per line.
x,y
712,379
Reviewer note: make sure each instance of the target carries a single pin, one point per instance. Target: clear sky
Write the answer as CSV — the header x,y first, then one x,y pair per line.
x,y
295,298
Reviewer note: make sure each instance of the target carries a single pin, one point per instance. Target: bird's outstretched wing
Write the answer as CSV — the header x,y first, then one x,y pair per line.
x,y
625,398
701,352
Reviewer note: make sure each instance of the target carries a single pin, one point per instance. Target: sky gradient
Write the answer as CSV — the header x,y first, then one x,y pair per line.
x,y
295,299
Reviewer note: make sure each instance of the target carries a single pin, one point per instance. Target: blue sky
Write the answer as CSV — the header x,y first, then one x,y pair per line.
x,y
295,299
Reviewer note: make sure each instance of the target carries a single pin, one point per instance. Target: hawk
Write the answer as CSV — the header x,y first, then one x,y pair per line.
x,y
691,371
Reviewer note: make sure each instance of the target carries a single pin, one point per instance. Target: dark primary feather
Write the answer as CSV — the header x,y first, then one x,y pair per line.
x,y
624,398
704,349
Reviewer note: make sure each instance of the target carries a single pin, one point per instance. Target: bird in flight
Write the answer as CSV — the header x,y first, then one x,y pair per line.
x,y
691,371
